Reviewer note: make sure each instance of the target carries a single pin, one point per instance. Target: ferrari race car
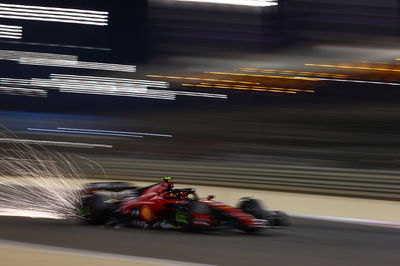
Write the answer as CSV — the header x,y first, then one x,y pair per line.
x,y
161,206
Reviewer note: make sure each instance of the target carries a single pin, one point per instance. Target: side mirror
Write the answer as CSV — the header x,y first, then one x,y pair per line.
x,y
210,197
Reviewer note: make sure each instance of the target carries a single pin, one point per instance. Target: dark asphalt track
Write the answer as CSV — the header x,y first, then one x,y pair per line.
x,y
307,242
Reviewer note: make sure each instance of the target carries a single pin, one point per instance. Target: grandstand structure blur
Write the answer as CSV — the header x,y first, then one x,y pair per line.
x,y
193,27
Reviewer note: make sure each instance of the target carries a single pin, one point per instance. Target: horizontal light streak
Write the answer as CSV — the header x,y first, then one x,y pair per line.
x,y
89,87
116,132
363,81
59,60
263,89
261,76
201,94
82,132
54,14
11,32
255,3
86,85
16,55
76,64
13,81
29,213
203,79
23,91
292,72
156,94
71,10
150,83
57,45
10,36
11,28
26,16
51,13
44,61
105,86
55,143
150,93
381,63
355,67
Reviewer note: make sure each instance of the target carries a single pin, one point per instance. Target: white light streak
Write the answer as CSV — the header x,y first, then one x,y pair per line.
x,y
12,82
30,213
150,83
54,14
85,85
47,62
11,88
10,36
55,143
114,82
100,86
76,64
116,132
11,28
83,11
16,55
163,95
83,132
26,16
51,14
255,3
8,31
201,94
362,81
23,91
108,86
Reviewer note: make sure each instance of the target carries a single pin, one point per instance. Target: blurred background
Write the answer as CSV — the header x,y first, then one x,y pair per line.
x,y
286,83
294,96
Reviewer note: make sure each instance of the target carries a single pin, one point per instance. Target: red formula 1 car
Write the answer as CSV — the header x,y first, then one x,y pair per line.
x,y
165,207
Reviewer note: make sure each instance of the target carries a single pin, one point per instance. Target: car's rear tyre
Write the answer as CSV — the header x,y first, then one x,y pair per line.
x,y
253,207
277,219
98,210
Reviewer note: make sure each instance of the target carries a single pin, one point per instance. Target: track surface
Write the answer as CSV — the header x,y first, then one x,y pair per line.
x,y
307,242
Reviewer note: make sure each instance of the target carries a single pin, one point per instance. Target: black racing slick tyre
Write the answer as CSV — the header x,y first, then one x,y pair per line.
x,y
98,210
253,207
277,219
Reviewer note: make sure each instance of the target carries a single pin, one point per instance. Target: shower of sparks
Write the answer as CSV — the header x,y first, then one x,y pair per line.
x,y
35,182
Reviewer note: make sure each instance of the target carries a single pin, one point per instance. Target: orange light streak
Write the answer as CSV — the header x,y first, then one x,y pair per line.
x,y
253,88
259,88
303,73
261,76
355,67
205,79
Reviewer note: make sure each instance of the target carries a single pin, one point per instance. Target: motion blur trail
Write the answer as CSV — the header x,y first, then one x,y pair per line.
x,y
36,182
